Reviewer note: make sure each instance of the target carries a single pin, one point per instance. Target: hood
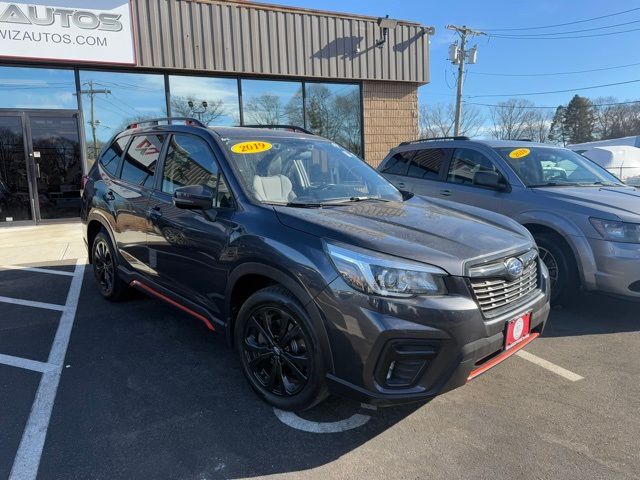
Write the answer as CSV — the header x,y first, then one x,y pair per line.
x,y
440,233
623,202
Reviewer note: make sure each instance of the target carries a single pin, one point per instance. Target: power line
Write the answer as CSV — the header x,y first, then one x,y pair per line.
x,y
561,24
552,73
555,91
530,37
604,27
556,106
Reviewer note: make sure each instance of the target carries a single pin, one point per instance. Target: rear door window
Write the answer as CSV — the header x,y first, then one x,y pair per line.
x,y
427,163
465,163
399,163
110,160
139,165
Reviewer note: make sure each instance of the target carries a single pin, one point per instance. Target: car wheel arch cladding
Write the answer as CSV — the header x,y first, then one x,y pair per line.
x,y
93,217
297,290
573,239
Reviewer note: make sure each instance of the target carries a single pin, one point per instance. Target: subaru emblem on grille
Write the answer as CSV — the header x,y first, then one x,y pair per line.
x,y
514,267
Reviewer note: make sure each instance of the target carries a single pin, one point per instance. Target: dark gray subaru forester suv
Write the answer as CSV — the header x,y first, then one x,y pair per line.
x,y
321,274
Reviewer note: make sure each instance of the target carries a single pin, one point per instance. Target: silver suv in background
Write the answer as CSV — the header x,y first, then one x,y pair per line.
x,y
585,220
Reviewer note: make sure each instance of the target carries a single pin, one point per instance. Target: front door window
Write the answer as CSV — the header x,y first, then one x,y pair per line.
x,y
58,165
15,204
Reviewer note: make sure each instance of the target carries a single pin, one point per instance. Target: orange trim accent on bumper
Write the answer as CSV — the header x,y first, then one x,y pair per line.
x,y
503,356
151,291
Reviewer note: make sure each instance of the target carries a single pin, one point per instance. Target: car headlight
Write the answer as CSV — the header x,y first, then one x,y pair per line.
x,y
617,231
375,273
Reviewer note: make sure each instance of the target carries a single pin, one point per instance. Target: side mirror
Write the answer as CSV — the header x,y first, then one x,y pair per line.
x,y
193,197
489,179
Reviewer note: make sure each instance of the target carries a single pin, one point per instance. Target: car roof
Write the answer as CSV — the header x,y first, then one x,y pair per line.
x,y
459,143
271,133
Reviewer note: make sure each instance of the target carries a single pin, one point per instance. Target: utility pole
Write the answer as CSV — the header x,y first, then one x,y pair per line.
x,y
92,92
458,56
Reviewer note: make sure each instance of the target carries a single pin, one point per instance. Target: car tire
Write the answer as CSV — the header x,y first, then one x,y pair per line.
x,y
105,268
279,350
560,262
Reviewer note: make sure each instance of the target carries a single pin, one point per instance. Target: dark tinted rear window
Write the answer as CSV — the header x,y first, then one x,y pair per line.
x,y
399,163
140,162
427,163
111,157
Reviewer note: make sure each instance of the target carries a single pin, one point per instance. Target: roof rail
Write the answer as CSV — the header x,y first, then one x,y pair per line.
x,y
154,122
293,128
523,140
431,139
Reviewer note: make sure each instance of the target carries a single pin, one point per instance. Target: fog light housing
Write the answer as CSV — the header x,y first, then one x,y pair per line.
x,y
403,362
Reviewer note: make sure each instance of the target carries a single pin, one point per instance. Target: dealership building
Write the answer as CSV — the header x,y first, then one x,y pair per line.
x,y
73,73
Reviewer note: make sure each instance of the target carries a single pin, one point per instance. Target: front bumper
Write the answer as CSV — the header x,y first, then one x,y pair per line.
x,y
617,267
448,334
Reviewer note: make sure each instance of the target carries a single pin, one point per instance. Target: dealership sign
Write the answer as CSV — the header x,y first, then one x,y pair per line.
x,y
99,33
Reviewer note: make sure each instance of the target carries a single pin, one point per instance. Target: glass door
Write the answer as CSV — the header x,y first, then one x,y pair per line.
x,y
15,181
54,150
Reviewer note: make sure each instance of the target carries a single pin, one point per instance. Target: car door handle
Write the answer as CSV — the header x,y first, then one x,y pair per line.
x,y
446,193
110,196
155,212
400,185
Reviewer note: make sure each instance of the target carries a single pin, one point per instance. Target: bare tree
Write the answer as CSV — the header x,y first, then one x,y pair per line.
x,y
190,106
265,109
614,119
438,120
517,118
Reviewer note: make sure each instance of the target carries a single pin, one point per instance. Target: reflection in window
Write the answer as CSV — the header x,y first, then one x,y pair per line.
x,y
189,161
267,102
139,165
118,100
110,160
213,101
43,88
333,111
466,163
427,163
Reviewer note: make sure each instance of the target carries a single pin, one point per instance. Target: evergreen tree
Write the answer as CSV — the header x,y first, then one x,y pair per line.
x,y
579,120
557,132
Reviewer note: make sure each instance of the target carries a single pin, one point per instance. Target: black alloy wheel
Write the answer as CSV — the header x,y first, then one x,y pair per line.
x,y
105,268
276,351
279,350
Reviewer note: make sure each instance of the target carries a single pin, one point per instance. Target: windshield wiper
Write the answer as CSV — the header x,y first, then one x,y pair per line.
x,y
340,201
553,184
603,184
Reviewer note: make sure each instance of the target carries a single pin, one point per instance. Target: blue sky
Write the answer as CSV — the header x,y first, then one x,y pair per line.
x,y
519,56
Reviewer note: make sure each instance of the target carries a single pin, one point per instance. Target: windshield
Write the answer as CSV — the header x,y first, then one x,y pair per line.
x,y
302,171
545,166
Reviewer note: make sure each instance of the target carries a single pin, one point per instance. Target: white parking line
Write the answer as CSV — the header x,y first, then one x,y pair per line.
x,y
27,460
552,367
36,270
31,303
25,363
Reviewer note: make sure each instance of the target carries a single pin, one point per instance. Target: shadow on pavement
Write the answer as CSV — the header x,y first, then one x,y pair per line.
x,y
148,392
593,314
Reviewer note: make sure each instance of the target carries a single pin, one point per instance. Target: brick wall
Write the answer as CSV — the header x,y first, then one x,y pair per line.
x,y
390,117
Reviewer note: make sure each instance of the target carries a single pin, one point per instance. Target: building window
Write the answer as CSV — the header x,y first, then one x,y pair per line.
x,y
42,88
213,101
333,111
268,102
112,100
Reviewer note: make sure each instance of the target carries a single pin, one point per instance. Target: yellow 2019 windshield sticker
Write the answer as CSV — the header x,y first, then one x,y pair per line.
x,y
251,147
519,153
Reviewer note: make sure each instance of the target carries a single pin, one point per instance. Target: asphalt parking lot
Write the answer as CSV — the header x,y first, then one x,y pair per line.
x,y
147,392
